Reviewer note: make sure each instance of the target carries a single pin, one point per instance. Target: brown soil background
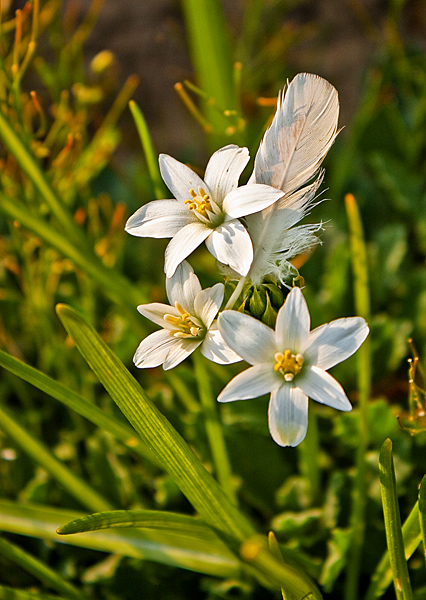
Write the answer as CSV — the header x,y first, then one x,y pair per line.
x,y
149,39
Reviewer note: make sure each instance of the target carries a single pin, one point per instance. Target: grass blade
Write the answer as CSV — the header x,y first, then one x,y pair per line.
x,y
394,538
149,151
116,286
77,403
29,165
209,556
205,494
207,497
80,490
212,58
422,512
154,519
362,308
34,566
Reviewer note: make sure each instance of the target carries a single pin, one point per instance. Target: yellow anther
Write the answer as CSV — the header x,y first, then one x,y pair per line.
x,y
288,364
185,327
200,202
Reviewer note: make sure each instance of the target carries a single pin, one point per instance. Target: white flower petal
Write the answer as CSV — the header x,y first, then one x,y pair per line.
x,y
179,351
159,219
251,383
183,287
249,199
155,312
216,349
322,387
224,169
231,245
207,303
288,415
182,244
153,350
293,323
248,337
179,178
334,342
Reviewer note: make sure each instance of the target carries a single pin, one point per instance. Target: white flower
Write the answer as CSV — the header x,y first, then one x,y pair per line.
x,y
290,362
187,324
205,210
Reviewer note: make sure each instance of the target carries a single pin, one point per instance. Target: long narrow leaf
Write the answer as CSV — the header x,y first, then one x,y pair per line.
x,y
8,593
149,151
86,409
196,483
112,282
80,490
422,512
203,554
30,166
207,497
34,566
154,519
394,538
382,576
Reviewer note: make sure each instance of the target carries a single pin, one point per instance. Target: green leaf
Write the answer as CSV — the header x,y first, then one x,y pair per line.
x,y
185,468
80,490
34,566
86,409
212,58
8,593
207,497
30,166
154,519
109,280
392,518
204,554
382,576
149,151
422,512
336,560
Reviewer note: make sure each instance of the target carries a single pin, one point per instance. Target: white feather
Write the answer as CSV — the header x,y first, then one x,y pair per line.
x,y
289,157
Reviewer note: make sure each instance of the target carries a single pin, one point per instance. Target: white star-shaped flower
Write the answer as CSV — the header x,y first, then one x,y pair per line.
x,y
290,363
187,323
205,210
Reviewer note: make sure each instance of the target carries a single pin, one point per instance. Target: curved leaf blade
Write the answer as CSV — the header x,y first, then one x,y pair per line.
x,y
207,497
209,556
154,519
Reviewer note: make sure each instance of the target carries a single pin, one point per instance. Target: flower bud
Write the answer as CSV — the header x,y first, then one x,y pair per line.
x,y
257,303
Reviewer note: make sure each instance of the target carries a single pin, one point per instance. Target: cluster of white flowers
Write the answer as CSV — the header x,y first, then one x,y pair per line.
x,y
290,363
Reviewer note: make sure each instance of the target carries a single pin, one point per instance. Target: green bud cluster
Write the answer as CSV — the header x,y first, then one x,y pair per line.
x,y
263,302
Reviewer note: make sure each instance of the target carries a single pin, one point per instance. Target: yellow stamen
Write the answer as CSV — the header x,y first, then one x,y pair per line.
x,y
288,364
200,202
185,327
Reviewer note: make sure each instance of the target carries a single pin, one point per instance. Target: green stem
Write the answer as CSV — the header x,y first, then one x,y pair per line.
x,y
29,165
214,428
362,307
382,576
235,294
392,518
308,449
149,151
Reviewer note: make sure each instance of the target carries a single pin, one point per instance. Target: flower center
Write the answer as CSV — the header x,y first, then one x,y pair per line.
x,y
288,364
186,325
200,203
